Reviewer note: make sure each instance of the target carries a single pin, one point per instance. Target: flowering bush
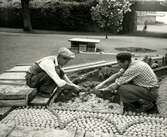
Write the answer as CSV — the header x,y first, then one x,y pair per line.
x,y
108,14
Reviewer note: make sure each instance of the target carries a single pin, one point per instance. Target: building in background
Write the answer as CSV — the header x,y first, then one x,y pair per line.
x,y
149,16
162,18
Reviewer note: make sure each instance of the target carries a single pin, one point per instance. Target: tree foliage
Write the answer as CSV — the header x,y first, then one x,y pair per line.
x,y
108,14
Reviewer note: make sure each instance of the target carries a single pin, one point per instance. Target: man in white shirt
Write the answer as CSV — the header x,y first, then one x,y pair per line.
x,y
135,82
46,74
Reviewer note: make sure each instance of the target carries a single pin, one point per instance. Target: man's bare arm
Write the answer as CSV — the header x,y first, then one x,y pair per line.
x,y
110,79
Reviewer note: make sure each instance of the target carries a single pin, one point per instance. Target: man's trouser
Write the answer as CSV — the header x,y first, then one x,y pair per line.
x,y
41,81
131,93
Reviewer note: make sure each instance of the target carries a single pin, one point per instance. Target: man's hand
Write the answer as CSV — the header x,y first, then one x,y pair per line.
x,y
74,86
99,86
113,86
67,86
104,89
100,91
97,92
107,89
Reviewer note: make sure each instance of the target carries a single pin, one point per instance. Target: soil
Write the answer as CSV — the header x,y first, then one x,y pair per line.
x,y
89,82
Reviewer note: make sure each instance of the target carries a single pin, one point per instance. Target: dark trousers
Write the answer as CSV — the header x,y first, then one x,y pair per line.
x,y
130,93
41,81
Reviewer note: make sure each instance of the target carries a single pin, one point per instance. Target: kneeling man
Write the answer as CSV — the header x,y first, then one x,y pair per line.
x,y
136,83
47,74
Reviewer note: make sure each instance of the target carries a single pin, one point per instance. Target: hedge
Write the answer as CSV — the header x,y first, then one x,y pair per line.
x,y
63,15
68,16
10,17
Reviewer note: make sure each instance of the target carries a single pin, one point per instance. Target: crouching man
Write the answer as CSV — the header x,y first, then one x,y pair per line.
x,y
136,84
46,74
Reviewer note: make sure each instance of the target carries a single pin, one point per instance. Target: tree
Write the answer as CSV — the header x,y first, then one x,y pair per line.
x,y
26,15
108,14
164,3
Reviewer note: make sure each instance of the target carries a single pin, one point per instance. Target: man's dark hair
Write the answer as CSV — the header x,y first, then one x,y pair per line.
x,y
122,57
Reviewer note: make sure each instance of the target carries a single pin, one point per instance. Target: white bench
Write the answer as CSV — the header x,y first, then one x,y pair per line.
x,y
85,45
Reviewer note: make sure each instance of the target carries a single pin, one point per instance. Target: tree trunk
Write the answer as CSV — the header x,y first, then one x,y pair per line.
x,y
26,15
106,34
106,29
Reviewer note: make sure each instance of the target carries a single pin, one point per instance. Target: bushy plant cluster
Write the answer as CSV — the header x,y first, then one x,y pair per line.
x,y
73,16
108,14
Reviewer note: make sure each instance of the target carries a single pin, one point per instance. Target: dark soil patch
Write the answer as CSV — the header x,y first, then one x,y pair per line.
x,y
135,49
88,80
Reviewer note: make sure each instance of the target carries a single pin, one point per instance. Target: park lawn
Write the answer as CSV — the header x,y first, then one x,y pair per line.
x,y
22,48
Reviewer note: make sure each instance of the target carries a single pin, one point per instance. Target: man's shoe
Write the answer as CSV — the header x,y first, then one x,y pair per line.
x,y
129,107
146,106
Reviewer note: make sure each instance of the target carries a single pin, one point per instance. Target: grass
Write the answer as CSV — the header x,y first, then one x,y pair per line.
x,y
23,48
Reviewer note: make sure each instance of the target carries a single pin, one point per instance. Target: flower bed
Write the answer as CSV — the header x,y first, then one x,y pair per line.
x,y
86,100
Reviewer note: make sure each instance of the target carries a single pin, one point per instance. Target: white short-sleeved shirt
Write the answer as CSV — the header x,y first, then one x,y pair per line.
x,y
48,64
